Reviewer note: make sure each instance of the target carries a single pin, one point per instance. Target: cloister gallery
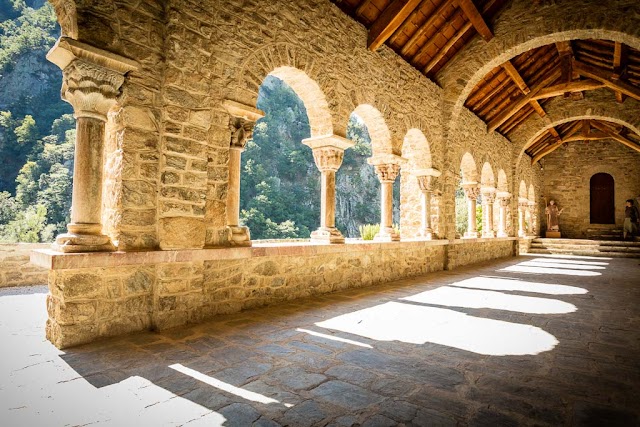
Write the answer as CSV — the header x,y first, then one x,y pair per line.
x,y
518,101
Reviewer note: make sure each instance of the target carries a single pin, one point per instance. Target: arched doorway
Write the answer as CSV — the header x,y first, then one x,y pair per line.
x,y
602,199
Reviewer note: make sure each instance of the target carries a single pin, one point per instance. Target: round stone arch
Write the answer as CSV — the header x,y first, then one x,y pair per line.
x,y
523,192
518,29
468,168
598,104
377,128
93,22
487,177
297,69
415,148
503,182
67,16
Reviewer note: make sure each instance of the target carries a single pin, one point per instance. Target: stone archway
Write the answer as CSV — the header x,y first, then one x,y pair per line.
x,y
377,127
602,199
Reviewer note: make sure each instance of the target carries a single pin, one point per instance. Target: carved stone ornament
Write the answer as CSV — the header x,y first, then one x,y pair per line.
x,y
387,172
424,182
471,191
504,201
241,131
489,197
328,158
91,89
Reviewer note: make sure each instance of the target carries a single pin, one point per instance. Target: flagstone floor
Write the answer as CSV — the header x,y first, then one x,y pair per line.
x,y
533,340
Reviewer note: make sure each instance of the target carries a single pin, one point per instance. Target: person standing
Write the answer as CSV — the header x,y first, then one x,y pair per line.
x,y
631,219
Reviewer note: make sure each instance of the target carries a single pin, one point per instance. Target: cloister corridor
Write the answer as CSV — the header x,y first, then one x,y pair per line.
x,y
531,340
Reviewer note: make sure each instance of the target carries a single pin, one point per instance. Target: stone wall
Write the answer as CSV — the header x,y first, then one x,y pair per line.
x,y
105,294
568,170
15,269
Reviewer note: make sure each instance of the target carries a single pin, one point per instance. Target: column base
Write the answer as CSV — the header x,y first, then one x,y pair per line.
x,y
521,233
74,243
387,235
502,234
488,234
239,236
471,235
327,235
426,234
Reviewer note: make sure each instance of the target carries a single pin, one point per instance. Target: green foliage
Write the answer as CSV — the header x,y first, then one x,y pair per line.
x,y
8,207
369,231
461,212
28,226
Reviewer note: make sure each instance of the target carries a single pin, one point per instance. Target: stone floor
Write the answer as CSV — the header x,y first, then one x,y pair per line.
x,y
544,340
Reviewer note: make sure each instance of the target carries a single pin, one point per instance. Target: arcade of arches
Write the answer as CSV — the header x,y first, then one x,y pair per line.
x,y
518,102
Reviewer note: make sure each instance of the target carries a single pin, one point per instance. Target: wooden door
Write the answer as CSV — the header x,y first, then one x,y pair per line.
x,y
602,199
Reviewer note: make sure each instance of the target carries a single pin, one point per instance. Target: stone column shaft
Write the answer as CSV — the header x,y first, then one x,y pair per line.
x,y
471,191
328,152
502,225
521,218
531,228
242,120
426,179
387,174
488,198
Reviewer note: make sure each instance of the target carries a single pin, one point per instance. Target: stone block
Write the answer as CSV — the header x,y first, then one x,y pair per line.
x,y
181,233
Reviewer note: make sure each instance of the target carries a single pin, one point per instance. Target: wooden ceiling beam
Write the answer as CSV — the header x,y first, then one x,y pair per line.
x,y
476,19
611,134
565,51
516,77
550,149
362,7
576,86
445,49
420,32
604,76
389,21
618,66
522,101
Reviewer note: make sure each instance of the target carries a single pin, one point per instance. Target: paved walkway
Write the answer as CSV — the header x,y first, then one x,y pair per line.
x,y
538,340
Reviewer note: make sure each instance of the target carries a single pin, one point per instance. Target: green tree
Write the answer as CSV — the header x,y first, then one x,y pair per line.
x,y
29,226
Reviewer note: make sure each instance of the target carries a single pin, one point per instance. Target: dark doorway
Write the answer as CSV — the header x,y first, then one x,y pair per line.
x,y
602,200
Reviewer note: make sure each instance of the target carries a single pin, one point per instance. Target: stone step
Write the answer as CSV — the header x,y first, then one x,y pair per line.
x,y
584,242
592,248
585,253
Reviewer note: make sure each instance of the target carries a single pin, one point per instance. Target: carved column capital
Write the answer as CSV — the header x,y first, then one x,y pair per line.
x,y
425,182
489,196
387,172
471,191
241,132
328,158
505,201
90,88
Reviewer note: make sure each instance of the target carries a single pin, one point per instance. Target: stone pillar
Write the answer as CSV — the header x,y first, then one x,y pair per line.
x,y
504,199
91,83
426,179
531,226
471,191
488,199
523,205
242,119
328,152
387,168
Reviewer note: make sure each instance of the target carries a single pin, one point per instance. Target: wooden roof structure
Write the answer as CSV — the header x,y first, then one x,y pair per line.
x,y
429,33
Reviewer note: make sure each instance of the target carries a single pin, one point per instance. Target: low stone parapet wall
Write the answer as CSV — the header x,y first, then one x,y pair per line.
x,y
471,251
15,268
104,294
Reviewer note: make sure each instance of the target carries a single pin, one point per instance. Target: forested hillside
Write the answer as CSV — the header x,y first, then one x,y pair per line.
x,y
280,188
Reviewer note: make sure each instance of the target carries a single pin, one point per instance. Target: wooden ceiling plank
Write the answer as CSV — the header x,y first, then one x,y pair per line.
x,y
545,152
445,49
408,21
522,101
559,89
362,7
605,77
425,27
388,22
516,77
476,18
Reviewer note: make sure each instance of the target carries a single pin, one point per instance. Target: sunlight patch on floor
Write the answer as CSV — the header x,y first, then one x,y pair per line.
x,y
506,284
334,338
473,298
395,321
520,268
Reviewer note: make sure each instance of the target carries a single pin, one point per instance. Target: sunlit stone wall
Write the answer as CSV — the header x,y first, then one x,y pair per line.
x,y
15,269
568,170
463,252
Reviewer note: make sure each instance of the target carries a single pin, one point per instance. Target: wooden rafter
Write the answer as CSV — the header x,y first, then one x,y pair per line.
x,y
618,66
565,51
389,21
614,135
410,19
476,19
522,101
605,77
362,7
516,77
425,27
559,89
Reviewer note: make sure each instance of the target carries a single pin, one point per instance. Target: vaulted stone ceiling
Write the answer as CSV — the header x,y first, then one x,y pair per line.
x,y
430,33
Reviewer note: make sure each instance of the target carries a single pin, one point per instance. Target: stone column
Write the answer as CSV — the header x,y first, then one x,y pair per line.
x,y
471,191
504,199
523,205
488,199
426,179
531,229
242,119
387,168
328,152
91,83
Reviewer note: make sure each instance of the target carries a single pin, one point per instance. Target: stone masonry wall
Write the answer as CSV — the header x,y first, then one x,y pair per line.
x,y
462,252
15,269
568,170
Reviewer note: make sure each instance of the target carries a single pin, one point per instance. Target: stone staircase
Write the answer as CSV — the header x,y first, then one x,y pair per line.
x,y
603,248
606,232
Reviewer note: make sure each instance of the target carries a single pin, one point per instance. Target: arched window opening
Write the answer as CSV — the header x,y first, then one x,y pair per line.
x,y
602,199
279,182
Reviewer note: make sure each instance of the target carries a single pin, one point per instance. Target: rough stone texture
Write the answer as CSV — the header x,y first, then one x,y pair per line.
x,y
92,302
567,172
15,269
